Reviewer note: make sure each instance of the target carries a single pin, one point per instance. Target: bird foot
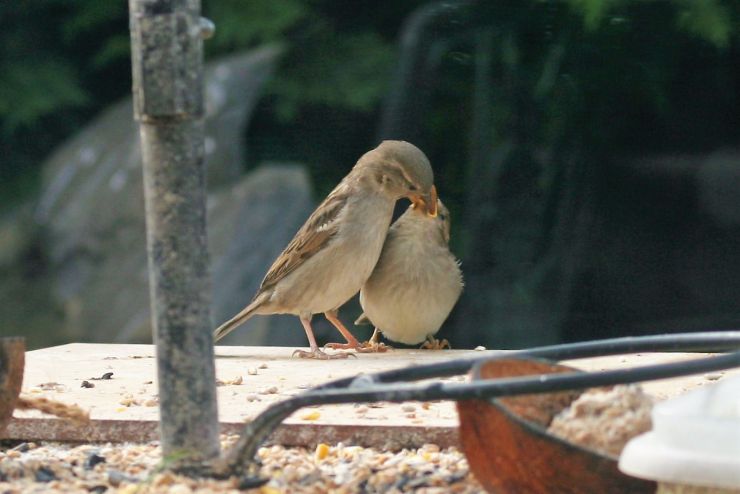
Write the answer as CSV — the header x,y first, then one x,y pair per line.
x,y
435,344
318,354
356,346
374,347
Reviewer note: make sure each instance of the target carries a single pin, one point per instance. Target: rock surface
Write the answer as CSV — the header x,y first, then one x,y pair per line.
x,y
88,221
249,224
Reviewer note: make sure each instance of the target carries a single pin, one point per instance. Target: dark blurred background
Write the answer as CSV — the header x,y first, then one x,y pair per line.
x,y
588,151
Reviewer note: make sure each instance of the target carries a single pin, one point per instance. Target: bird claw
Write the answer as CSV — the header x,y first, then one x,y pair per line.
x,y
358,347
320,355
435,344
373,347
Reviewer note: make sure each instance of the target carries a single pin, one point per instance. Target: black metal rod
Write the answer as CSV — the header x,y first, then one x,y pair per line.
x,y
709,341
368,389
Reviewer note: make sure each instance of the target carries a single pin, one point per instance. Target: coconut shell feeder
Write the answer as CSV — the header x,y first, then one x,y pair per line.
x,y
12,363
505,407
12,359
509,448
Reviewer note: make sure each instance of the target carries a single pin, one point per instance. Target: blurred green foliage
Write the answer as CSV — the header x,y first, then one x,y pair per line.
x,y
525,104
64,61
707,19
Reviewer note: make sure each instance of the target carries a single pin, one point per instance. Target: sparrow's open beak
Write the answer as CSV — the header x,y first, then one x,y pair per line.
x,y
432,202
428,202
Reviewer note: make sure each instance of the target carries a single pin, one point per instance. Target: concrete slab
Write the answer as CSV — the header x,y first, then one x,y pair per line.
x,y
124,407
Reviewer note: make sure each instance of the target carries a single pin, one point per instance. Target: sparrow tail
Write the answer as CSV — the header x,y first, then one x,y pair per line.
x,y
363,320
236,321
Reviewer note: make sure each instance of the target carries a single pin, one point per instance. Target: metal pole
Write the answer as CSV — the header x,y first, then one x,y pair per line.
x,y
167,59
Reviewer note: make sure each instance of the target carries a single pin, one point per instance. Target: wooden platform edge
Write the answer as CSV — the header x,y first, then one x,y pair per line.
x,y
392,437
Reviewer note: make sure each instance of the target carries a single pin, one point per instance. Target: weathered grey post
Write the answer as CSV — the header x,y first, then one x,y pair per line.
x,y
167,59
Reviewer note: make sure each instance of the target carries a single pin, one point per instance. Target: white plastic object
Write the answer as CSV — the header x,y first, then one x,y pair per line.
x,y
695,439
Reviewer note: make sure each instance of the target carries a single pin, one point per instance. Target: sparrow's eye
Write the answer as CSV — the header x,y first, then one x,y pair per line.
x,y
442,217
412,187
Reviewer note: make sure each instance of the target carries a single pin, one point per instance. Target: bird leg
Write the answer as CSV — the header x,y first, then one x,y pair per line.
x,y
314,351
374,344
375,338
352,343
433,343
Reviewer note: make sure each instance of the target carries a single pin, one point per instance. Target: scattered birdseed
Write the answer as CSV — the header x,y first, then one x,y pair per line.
x,y
134,468
51,386
252,371
129,400
263,365
313,415
322,451
87,384
673,488
13,453
230,382
92,460
479,348
105,377
605,419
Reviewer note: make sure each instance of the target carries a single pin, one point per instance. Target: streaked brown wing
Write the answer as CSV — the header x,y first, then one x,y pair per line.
x,y
313,236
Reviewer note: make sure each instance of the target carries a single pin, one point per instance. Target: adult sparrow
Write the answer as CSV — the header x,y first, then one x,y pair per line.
x,y
416,282
334,252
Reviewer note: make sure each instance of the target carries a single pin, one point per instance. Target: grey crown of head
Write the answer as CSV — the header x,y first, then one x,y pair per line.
x,y
411,158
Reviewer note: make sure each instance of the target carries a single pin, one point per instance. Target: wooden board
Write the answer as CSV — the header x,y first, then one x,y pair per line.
x,y
124,408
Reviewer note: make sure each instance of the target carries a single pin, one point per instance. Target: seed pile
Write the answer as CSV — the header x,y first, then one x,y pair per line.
x,y
129,468
605,419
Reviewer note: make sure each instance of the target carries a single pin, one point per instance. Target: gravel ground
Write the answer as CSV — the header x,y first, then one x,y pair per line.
x,y
134,468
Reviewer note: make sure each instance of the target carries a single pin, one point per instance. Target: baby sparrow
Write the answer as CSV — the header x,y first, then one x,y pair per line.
x,y
416,282
334,252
